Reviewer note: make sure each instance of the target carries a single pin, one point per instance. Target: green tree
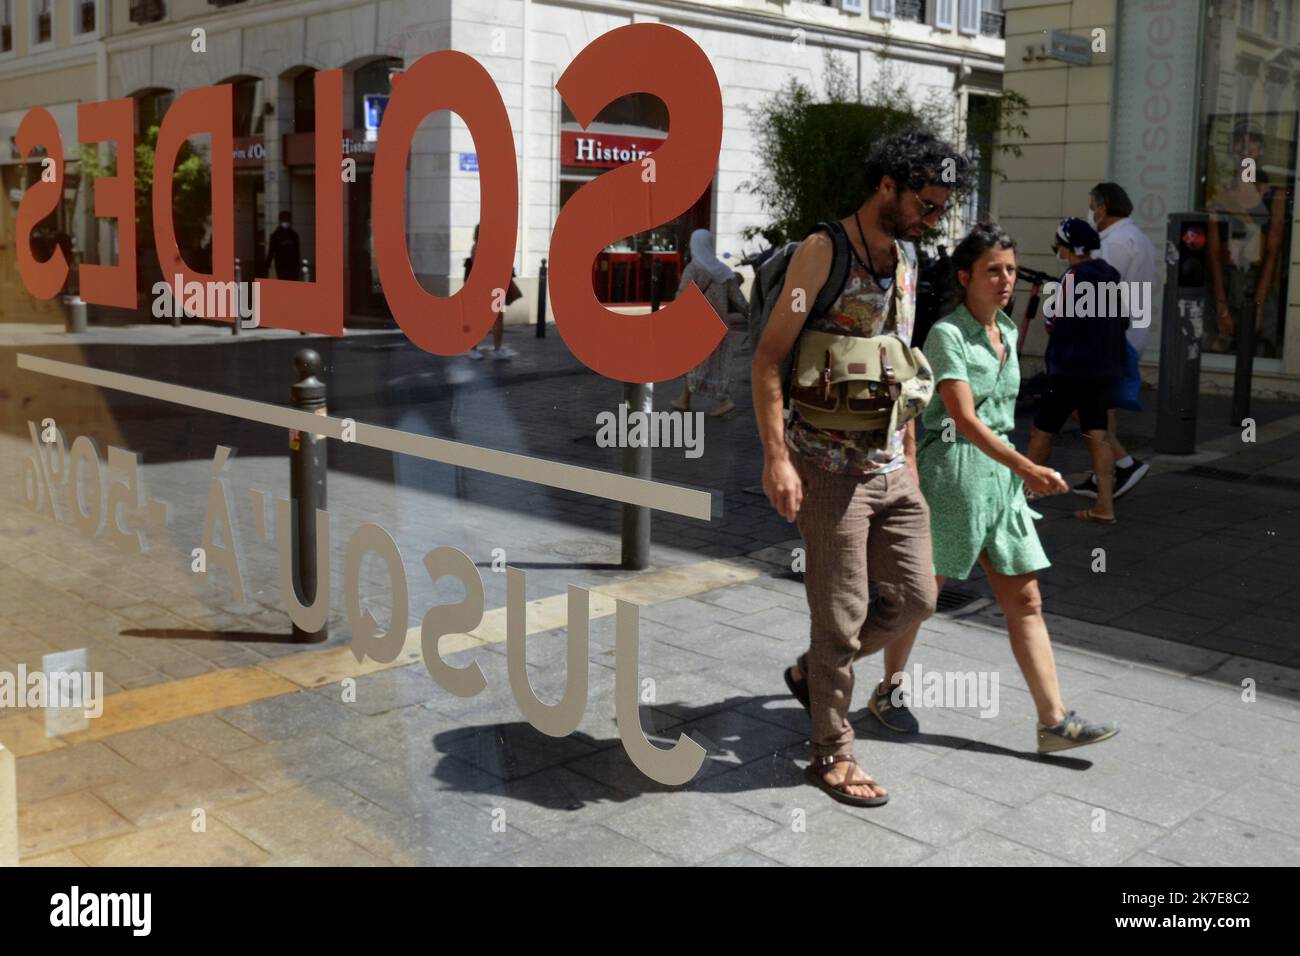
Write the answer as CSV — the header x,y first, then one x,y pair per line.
x,y
812,149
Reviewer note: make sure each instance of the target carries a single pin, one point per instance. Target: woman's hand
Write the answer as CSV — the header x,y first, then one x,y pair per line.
x,y
1042,480
784,487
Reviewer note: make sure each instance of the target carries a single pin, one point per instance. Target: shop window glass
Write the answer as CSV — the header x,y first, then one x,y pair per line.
x,y
625,272
1247,167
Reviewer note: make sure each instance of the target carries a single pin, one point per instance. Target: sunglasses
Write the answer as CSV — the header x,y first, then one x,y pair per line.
x,y
928,209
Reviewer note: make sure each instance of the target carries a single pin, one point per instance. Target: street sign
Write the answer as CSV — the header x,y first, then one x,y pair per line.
x,y
375,104
1067,47
469,162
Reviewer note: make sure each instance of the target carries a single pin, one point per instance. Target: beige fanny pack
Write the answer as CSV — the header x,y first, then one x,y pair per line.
x,y
859,384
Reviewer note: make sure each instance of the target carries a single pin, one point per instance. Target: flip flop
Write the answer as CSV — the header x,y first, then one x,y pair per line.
x,y
1090,518
798,689
815,774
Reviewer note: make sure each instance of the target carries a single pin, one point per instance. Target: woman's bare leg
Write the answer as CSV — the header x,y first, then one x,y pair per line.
x,y
1020,601
899,650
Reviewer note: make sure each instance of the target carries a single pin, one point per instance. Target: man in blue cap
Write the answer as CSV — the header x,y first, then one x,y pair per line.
x,y
1085,357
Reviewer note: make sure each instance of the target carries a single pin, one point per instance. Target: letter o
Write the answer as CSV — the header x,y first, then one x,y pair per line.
x,y
446,80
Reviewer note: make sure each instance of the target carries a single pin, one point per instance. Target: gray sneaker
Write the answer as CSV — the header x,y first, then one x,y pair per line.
x,y
1073,731
895,716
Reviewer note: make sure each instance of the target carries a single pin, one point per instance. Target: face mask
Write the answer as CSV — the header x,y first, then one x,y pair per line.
x,y
1092,221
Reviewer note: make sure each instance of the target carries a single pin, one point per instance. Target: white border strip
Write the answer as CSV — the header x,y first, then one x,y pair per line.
x,y
538,471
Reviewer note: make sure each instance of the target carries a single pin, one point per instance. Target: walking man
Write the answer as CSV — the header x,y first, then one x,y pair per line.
x,y
1130,252
858,504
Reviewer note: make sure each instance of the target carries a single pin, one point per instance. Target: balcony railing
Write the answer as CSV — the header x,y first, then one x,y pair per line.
x,y
147,11
992,23
909,10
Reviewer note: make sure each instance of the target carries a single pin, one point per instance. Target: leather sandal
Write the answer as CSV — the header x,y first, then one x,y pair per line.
x,y
816,775
799,688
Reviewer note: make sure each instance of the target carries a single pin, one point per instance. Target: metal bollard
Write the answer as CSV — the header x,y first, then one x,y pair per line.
x,y
639,397
74,310
234,326
541,301
307,468
1244,368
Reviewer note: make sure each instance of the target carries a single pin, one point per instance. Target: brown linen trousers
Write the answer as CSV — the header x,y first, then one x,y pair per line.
x,y
854,527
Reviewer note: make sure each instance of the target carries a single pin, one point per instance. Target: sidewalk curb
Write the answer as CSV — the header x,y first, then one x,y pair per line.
x,y
1185,660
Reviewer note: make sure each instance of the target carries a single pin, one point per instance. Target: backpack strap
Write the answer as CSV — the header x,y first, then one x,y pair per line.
x,y
826,297
839,274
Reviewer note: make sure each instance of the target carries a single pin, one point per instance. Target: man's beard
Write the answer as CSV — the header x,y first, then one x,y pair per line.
x,y
892,220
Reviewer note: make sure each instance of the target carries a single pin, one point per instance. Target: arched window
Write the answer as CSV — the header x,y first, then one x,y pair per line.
x,y
304,101
151,105
375,77
249,105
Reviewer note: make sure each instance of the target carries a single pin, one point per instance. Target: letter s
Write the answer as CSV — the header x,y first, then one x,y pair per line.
x,y
42,279
640,58
458,618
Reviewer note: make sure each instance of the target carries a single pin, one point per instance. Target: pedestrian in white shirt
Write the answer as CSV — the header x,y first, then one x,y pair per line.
x,y
1127,248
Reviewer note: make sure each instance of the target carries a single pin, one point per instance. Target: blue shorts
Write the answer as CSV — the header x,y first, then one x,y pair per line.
x,y
1124,394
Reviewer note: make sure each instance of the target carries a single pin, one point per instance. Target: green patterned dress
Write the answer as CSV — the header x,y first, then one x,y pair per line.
x,y
975,502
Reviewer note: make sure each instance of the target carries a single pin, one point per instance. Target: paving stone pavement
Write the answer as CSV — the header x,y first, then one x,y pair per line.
x,y
397,771
1198,594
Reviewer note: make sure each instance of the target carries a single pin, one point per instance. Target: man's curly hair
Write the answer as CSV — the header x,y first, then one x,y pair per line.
x,y
914,158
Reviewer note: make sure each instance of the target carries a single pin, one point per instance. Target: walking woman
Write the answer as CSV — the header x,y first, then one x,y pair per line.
x,y
721,286
973,478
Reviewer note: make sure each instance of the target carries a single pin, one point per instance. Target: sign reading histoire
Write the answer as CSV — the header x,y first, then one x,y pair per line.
x,y
638,58
604,150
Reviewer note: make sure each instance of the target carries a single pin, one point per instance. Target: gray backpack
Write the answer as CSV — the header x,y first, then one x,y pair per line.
x,y
769,283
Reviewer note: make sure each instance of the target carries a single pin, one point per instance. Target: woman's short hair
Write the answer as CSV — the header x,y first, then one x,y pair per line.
x,y
983,237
